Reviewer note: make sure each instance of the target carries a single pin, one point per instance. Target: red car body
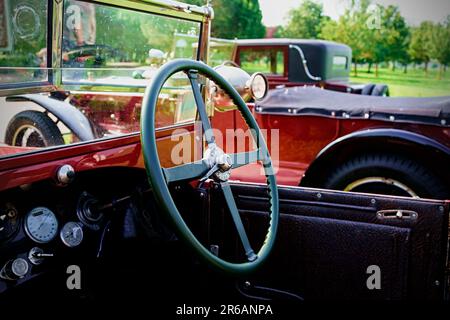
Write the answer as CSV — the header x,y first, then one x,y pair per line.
x,y
304,139
306,144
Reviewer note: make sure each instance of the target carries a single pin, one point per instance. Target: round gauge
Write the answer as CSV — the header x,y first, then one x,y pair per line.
x,y
71,234
41,225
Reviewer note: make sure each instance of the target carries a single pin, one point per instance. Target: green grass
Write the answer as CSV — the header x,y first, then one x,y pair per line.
x,y
415,83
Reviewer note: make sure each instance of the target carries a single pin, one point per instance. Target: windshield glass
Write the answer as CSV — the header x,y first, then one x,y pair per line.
x,y
108,56
111,46
221,51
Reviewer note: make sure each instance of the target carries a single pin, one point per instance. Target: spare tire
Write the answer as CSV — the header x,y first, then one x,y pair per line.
x,y
380,90
33,129
367,90
387,174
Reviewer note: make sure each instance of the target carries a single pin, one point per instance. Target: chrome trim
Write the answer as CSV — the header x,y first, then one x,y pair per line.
x,y
305,62
205,36
399,214
163,7
65,174
102,88
24,90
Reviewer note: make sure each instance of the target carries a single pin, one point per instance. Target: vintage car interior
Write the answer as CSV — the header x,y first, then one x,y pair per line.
x,y
146,231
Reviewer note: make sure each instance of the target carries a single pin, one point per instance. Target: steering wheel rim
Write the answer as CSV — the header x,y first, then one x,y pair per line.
x,y
160,178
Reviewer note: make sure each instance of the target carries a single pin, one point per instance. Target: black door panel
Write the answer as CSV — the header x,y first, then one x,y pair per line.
x,y
327,241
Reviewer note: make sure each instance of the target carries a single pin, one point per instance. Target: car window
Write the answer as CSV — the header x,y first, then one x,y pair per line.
x,y
23,41
340,63
266,60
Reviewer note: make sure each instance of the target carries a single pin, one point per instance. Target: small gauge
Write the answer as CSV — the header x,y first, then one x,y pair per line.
x,y
71,234
41,225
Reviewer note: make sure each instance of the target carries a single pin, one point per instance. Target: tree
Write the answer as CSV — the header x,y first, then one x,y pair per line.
x,y
397,35
375,33
235,19
352,29
306,21
420,45
440,44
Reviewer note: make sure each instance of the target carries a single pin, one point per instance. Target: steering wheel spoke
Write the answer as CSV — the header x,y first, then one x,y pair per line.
x,y
206,124
188,171
228,194
243,158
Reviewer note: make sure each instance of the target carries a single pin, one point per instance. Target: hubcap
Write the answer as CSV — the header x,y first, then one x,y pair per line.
x,y
28,136
381,185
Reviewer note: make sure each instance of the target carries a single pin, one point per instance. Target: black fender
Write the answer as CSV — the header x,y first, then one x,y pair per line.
x,y
72,118
434,153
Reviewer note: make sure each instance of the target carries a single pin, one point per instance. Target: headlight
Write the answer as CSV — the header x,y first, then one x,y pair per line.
x,y
255,86
258,86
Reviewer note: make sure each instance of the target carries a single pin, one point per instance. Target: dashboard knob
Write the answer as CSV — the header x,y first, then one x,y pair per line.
x,y
14,269
65,174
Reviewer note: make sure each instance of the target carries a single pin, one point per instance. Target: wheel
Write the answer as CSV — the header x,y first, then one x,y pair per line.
x,y
381,90
387,174
32,129
367,90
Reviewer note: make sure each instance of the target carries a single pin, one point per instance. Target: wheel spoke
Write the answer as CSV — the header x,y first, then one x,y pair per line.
x,y
209,136
187,171
251,256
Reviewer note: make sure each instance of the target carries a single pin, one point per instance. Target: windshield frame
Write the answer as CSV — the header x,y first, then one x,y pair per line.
x,y
172,9
55,18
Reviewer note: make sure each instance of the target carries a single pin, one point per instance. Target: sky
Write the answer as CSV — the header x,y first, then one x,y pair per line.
x,y
415,11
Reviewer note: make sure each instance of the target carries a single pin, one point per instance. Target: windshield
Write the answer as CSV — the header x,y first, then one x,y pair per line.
x,y
220,51
23,41
111,46
107,57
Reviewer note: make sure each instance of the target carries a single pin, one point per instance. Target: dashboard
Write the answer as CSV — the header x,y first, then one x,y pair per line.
x,y
45,224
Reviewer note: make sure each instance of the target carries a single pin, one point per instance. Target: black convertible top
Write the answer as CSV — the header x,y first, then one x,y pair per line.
x,y
320,102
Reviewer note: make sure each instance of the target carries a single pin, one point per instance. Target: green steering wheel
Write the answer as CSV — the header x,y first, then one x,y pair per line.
x,y
215,164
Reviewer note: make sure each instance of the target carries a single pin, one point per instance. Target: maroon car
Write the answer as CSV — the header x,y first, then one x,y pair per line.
x,y
398,146
298,62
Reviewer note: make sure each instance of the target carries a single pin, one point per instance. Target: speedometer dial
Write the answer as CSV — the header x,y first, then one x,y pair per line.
x,y
41,225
